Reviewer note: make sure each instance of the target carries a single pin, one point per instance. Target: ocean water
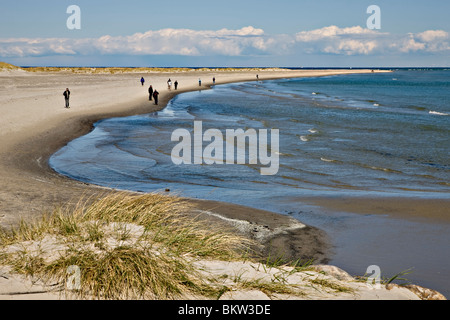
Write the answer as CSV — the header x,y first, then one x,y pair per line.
x,y
373,133
378,134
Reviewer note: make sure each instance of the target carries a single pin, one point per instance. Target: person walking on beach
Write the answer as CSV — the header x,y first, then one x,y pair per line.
x,y
169,84
214,80
66,95
150,93
142,81
176,84
199,82
155,96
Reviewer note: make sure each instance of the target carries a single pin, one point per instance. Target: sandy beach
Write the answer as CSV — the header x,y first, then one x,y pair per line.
x,y
35,125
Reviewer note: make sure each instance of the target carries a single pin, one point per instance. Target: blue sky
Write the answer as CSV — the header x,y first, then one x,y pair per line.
x,y
309,33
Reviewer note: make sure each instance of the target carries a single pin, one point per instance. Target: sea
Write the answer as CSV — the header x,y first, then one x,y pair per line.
x,y
369,135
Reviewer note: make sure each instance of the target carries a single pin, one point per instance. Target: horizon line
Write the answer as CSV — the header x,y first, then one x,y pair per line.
x,y
229,67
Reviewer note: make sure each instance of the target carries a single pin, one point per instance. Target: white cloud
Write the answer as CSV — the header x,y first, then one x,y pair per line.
x,y
430,41
165,41
351,47
435,40
331,32
360,41
342,41
247,41
432,35
408,45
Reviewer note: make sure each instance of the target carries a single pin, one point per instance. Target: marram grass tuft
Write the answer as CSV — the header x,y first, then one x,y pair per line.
x,y
126,246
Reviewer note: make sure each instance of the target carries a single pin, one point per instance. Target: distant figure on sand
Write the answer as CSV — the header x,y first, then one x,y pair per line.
x,y
142,81
155,96
257,77
67,97
176,84
199,82
214,80
169,84
150,93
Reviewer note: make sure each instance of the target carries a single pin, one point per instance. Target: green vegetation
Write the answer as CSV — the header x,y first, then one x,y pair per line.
x,y
121,70
7,66
128,246
147,246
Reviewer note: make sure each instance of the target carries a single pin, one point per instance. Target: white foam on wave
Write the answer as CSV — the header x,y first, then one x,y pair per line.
x,y
312,130
303,138
438,113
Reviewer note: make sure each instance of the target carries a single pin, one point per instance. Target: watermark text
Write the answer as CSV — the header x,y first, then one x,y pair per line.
x,y
235,147
374,21
74,20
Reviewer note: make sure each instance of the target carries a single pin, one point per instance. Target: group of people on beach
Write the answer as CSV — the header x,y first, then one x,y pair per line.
x,y
169,84
153,94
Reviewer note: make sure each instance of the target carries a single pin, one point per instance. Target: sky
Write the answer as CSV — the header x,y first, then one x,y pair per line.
x,y
242,33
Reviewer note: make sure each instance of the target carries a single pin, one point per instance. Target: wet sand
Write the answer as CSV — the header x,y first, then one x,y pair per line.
x,y
417,209
397,233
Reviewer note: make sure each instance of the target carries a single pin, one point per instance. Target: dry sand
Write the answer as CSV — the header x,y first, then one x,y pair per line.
x,y
34,124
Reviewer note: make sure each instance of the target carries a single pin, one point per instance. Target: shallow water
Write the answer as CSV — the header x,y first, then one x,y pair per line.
x,y
359,132
373,135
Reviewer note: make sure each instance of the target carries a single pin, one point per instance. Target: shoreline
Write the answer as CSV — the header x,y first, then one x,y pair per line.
x,y
27,150
29,185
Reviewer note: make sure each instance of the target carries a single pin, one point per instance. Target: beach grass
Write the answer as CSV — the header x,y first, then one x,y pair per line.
x,y
126,246
146,246
398,278
7,66
123,70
